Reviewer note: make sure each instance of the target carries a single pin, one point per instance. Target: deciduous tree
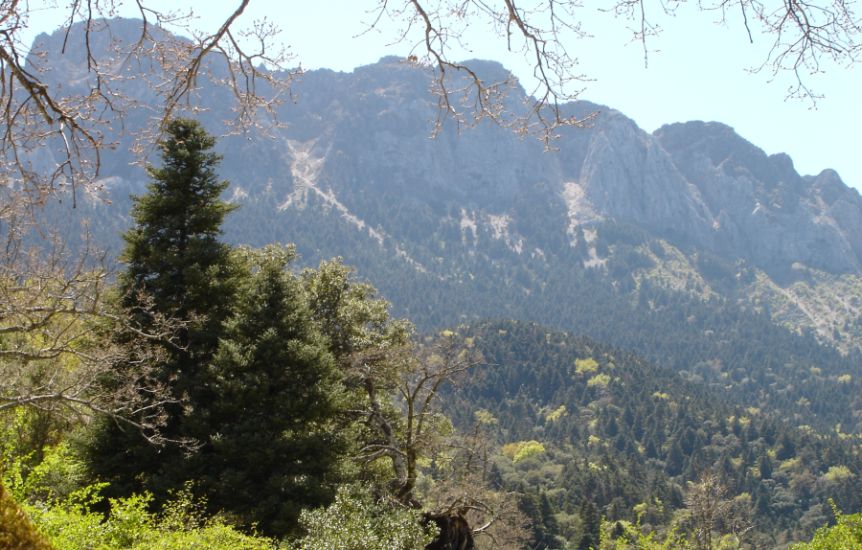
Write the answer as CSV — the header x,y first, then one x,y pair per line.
x,y
395,415
56,352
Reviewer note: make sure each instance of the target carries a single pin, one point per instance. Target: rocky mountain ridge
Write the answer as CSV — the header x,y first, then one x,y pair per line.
x,y
353,172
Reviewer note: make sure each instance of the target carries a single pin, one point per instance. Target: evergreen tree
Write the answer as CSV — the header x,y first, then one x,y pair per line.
x,y
177,269
276,396
591,523
543,526
548,518
675,461
649,449
765,467
786,447
175,258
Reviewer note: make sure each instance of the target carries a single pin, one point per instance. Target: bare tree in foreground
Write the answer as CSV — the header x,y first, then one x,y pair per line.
x,y
73,127
59,353
433,466
710,510
414,431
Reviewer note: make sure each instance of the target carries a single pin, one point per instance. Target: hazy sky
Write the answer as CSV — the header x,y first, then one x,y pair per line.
x,y
697,71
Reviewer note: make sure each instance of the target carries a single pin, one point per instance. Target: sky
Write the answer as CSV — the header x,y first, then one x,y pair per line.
x,y
696,70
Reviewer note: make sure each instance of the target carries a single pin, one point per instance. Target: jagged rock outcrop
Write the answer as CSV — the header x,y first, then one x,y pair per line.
x,y
765,211
699,185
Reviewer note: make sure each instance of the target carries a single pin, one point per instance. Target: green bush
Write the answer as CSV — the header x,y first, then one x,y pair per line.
x,y
846,534
356,521
72,525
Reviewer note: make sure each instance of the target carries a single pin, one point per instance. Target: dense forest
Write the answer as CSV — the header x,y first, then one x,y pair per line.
x,y
218,396
625,439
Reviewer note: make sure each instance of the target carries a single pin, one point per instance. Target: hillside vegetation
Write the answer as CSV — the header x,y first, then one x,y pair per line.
x,y
633,440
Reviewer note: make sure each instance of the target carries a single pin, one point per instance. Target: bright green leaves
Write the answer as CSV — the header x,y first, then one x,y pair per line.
x,y
521,450
846,534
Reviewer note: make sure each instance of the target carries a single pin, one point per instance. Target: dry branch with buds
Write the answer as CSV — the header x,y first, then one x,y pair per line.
x,y
58,347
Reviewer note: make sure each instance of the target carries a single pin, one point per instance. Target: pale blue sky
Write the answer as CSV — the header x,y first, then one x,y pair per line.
x,y
699,72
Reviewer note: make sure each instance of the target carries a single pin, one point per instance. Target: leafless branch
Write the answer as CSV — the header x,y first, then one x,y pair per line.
x,y
58,347
56,128
53,135
801,36
464,94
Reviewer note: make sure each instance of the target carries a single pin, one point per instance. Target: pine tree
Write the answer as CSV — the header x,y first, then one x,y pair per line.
x,y
765,467
786,447
675,461
173,253
591,525
276,398
178,269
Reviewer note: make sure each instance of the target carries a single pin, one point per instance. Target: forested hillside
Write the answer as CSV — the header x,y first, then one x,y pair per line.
x,y
691,247
622,438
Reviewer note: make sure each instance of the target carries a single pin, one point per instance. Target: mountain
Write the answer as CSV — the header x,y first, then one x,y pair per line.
x,y
689,246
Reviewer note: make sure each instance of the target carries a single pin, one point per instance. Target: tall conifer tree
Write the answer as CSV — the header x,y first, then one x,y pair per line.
x,y
277,396
179,269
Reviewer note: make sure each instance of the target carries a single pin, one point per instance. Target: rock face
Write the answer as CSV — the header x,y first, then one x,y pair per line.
x,y
353,172
698,185
762,209
629,177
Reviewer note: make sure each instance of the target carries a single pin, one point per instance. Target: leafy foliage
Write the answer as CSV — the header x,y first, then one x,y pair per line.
x,y
70,514
356,521
173,252
72,525
845,534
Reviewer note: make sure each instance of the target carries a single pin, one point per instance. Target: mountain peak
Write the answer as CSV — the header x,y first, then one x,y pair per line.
x,y
698,184
65,49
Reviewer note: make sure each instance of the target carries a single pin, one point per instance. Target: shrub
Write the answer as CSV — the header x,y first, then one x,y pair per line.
x,y
356,521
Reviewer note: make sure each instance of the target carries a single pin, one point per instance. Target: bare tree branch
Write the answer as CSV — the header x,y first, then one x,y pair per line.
x,y
53,136
59,351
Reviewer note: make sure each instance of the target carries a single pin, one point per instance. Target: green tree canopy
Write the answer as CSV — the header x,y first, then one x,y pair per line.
x,y
277,395
173,252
